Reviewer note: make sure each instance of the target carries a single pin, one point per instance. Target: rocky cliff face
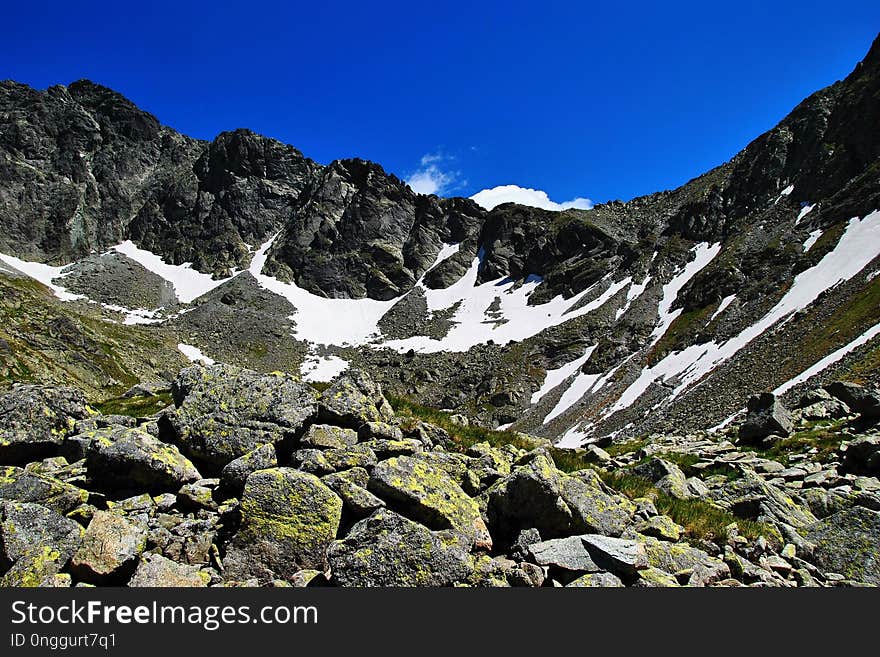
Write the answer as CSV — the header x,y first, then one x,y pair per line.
x,y
667,311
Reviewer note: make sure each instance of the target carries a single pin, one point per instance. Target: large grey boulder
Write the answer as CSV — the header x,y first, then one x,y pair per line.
x,y
862,456
537,495
110,549
847,543
35,542
864,401
387,549
353,400
26,486
288,518
430,496
130,459
235,473
35,420
766,416
225,412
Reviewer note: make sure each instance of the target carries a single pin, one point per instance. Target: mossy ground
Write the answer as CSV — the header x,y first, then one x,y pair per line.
x,y
824,437
702,520
463,437
135,406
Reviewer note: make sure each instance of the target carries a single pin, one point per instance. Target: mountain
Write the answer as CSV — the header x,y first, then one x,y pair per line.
x,y
663,313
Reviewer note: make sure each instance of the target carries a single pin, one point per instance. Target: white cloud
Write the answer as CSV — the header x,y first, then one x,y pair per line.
x,y
431,178
489,198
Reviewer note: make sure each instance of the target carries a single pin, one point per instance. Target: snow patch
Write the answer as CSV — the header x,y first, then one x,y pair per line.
x,y
703,255
725,302
322,368
812,239
806,208
44,274
556,376
194,353
188,283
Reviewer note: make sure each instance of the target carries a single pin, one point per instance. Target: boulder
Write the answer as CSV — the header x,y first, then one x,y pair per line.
x,y
154,571
130,459
864,401
24,486
225,412
110,549
288,518
39,540
357,499
593,509
387,549
622,556
766,416
529,497
353,400
565,554
846,543
667,477
235,473
326,436
379,431
428,495
752,498
35,420
596,580
862,456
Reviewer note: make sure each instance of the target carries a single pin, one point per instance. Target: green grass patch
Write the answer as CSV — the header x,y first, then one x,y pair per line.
x,y
463,437
702,520
824,437
135,406
630,446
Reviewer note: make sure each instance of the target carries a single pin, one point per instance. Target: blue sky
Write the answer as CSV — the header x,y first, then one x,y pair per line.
x,y
579,99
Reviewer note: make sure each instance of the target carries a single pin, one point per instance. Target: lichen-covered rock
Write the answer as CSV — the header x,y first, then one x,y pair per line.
x,y
593,510
235,473
766,416
359,501
154,571
35,420
596,580
846,543
353,400
752,498
288,518
387,549
225,412
662,527
385,449
430,496
326,436
109,550
129,459
530,497
379,431
674,558
25,486
41,539
667,477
